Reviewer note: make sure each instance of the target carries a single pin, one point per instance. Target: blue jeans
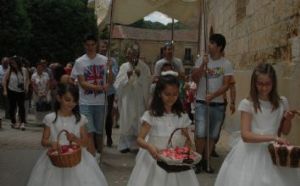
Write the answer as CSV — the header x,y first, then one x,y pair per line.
x,y
216,115
95,115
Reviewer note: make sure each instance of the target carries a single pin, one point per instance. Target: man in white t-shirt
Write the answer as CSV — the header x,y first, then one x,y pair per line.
x,y
41,90
219,72
91,71
175,63
168,52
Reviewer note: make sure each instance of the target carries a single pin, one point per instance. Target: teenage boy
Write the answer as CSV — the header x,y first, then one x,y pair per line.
x,y
218,72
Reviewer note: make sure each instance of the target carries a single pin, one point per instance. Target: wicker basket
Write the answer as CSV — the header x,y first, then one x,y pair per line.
x,y
177,166
67,159
285,156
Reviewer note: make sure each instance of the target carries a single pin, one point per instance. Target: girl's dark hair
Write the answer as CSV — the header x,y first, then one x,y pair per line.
x,y
62,89
157,106
18,61
265,69
58,72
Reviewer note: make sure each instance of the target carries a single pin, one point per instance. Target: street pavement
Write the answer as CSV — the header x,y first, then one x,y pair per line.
x,y
19,151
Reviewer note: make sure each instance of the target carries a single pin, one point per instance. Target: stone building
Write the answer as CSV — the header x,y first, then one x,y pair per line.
x,y
262,31
258,31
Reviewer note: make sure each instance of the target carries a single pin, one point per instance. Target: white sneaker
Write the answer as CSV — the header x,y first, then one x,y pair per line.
x,y
98,157
22,126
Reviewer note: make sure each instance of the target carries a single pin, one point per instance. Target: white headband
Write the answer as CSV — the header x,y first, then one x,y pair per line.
x,y
169,72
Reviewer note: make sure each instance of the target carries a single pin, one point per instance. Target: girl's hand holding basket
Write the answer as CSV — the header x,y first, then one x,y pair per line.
x,y
289,115
54,146
282,141
153,151
177,159
65,155
72,137
281,152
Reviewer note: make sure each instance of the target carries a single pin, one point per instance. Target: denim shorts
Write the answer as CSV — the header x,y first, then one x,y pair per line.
x,y
216,115
95,115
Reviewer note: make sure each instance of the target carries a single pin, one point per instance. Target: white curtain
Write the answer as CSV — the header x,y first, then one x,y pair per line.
x,y
129,11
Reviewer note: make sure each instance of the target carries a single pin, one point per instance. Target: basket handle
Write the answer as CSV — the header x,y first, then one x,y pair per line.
x,y
172,134
58,136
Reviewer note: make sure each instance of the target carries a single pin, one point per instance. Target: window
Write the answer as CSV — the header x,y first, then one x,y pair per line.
x,y
241,7
188,54
161,55
211,30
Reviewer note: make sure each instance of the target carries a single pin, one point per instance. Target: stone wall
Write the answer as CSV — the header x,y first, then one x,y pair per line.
x,y
262,31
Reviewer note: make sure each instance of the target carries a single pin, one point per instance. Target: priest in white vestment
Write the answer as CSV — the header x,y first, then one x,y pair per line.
x,y
133,88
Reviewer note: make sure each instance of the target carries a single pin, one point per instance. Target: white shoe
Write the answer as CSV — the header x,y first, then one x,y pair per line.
x,y
98,157
22,126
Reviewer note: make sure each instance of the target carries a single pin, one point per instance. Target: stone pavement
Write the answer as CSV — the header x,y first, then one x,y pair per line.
x,y
20,150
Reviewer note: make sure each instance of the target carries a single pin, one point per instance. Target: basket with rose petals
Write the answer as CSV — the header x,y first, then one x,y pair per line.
x,y
284,155
177,159
66,155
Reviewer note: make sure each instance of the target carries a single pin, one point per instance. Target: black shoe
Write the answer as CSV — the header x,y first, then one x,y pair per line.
x,y
109,142
208,170
125,150
215,154
198,168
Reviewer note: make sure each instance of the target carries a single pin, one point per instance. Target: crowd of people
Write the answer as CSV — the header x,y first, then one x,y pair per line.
x,y
25,88
83,99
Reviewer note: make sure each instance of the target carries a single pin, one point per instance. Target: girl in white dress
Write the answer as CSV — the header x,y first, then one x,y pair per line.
x,y
165,114
249,162
87,172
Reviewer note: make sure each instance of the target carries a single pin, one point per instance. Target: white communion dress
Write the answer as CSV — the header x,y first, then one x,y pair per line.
x,y
86,173
250,164
146,171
